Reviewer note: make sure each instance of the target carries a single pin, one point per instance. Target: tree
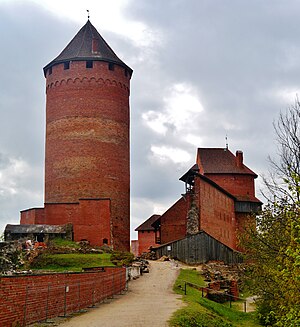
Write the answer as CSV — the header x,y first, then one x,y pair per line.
x,y
287,166
272,247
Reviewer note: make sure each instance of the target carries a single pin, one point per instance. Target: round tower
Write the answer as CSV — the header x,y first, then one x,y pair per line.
x,y
87,128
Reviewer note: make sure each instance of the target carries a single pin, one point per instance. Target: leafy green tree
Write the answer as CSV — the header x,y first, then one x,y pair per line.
x,y
272,247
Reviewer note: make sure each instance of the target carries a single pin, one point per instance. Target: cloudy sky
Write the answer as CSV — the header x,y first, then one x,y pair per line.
x,y
203,69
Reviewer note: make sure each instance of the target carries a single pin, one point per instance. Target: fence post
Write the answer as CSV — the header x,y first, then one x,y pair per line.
x,y
47,302
25,306
245,306
65,301
113,284
184,288
202,291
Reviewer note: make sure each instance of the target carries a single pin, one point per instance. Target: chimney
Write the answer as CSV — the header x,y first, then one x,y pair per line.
x,y
239,158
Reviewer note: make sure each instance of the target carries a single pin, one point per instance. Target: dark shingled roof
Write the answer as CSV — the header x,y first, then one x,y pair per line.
x,y
220,161
34,229
87,44
147,224
188,177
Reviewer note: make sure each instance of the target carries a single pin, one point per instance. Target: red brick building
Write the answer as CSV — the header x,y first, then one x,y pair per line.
x,y
219,196
87,177
147,236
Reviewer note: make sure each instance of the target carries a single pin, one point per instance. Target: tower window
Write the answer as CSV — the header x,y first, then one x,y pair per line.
x,y
111,66
89,64
126,72
67,65
50,71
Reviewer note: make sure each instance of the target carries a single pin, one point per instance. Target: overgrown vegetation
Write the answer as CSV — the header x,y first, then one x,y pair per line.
x,y
70,261
121,258
200,312
65,255
61,242
273,246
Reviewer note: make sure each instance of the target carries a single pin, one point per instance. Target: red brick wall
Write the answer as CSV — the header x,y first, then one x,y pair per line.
x,y
235,184
33,216
135,247
28,299
217,216
173,222
146,239
90,218
87,139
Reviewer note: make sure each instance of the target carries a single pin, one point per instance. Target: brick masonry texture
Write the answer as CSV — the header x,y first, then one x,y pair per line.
x,y
87,176
29,299
173,222
146,239
90,218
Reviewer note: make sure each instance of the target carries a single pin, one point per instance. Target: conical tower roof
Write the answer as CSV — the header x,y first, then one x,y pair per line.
x,y
87,44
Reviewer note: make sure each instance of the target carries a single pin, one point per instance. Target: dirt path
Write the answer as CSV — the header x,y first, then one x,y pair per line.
x,y
149,302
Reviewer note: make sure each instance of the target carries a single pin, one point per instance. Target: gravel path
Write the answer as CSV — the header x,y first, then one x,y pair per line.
x,y
149,302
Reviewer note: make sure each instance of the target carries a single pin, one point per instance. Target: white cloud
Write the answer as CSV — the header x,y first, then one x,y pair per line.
x,y
11,174
181,107
164,154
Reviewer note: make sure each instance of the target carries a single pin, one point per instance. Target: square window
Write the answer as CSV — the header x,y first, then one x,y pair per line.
x,y
89,64
67,65
111,66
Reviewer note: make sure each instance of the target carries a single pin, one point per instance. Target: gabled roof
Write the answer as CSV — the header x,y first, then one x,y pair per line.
x,y
35,229
146,225
188,177
87,44
220,161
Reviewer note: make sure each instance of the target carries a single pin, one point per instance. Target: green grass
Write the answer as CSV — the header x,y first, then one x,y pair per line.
x,y
201,312
60,242
70,261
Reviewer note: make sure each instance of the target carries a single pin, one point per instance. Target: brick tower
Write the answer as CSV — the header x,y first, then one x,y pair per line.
x,y
87,134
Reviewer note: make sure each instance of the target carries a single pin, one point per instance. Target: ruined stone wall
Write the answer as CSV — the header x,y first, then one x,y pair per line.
x,y
28,299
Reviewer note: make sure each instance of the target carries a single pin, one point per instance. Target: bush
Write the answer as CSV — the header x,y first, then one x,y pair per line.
x,y
193,317
121,258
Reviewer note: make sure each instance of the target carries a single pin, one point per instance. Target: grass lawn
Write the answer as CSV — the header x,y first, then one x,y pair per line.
x,y
201,312
70,261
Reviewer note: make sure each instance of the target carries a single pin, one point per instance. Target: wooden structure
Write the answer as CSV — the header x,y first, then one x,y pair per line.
x,y
198,248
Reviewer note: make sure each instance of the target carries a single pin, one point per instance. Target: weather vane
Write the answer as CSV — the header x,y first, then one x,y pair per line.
x,y
88,13
226,139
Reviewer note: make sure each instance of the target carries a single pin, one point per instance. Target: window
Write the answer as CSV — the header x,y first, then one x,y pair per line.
x,y
89,64
67,65
126,72
111,66
105,241
50,71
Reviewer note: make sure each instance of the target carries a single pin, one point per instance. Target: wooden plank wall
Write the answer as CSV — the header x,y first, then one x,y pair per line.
x,y
199,248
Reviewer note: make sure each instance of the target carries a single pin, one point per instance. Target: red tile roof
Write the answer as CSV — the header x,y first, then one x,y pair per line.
x,y
147,224
220,161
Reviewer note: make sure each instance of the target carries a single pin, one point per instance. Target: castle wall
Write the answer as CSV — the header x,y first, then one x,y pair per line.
x,y
90,218
217,216
87,141
146,239
235,184
28,299
173,222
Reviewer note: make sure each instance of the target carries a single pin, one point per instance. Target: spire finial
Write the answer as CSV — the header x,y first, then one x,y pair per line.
x,y
226,139
88,14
